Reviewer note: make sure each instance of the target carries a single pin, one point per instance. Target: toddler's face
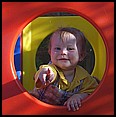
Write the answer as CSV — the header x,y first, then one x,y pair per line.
x,y
64,52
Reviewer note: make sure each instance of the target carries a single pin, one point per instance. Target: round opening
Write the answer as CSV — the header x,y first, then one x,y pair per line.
x,y
35,38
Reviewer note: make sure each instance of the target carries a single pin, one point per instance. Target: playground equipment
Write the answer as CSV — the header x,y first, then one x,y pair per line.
x,y
16,15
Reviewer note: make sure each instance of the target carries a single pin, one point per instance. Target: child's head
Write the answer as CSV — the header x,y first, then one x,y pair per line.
x,y
67,47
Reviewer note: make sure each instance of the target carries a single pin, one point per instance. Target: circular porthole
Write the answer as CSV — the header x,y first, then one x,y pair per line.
x,y
35,39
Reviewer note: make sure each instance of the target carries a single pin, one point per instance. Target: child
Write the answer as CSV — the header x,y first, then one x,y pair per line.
x,y
63,82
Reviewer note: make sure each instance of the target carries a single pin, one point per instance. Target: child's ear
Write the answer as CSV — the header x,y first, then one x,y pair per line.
x,y
82,56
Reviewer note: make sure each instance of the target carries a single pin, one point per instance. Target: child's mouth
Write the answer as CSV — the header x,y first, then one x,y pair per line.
x,y
63,59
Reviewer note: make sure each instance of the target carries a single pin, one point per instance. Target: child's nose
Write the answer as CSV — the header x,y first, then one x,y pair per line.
x,y
63,51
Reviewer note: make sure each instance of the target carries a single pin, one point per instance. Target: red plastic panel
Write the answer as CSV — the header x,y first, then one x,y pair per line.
x,y
15,16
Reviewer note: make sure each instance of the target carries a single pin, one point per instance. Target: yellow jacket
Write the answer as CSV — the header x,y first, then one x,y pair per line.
x,y
88,84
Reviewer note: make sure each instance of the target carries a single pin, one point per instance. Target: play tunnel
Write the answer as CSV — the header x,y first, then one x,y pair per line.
x,y
95,19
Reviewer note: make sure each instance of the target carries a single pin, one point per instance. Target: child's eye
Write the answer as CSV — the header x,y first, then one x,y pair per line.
x,y
57,48
70,48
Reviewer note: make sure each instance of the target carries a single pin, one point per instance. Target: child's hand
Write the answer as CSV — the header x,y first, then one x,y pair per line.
x,y
45,76
74,102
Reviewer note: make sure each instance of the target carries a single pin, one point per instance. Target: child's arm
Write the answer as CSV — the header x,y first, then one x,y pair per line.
x,y
74,102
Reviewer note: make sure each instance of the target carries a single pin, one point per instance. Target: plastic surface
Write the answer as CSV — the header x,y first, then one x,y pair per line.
x,y
15,16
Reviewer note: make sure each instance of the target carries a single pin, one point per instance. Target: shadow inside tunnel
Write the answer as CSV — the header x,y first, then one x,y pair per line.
x,y
11,89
